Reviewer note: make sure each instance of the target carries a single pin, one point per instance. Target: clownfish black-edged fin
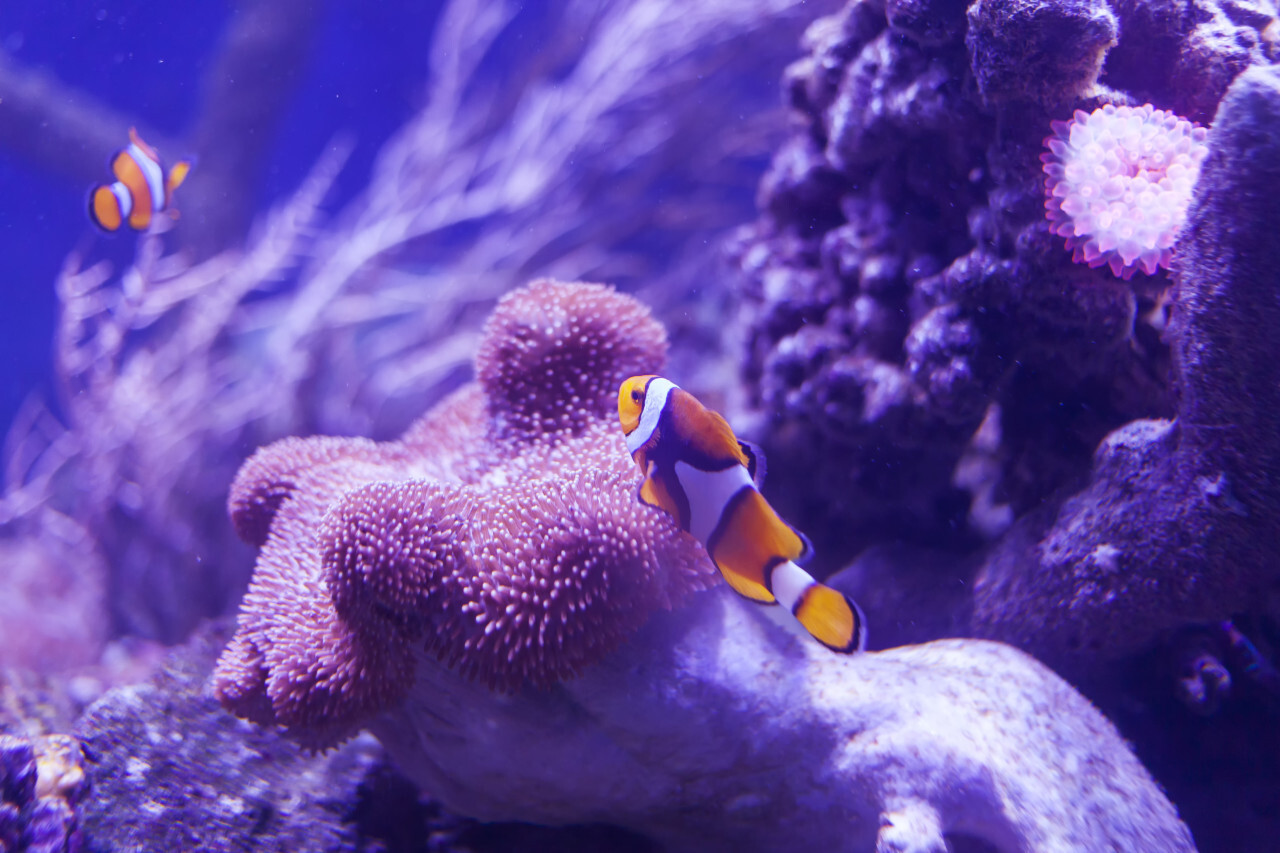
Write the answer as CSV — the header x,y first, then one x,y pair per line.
x,y
653,492
747,588
104,209
747,542
806,548
756,467
832,618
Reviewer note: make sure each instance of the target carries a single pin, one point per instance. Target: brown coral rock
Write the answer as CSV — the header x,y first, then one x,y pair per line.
x,y
501,533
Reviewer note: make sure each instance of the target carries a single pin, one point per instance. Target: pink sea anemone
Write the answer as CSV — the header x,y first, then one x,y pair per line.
x,y
500,535
1119,182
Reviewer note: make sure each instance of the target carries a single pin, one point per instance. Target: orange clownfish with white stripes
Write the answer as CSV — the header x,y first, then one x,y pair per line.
x,y
700,473
143,188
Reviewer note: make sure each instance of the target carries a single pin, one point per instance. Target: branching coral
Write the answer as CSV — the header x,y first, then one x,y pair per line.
x,y
1119,182
501,532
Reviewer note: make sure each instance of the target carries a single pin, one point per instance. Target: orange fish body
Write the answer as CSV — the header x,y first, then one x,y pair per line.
x,y
142,188
700,473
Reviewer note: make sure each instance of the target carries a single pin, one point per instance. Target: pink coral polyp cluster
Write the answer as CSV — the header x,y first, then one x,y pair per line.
x,y
1119,182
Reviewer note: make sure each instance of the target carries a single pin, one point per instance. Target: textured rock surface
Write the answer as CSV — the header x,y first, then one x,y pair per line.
x,y
172,770
1180,519
42,781
715,728
1219,769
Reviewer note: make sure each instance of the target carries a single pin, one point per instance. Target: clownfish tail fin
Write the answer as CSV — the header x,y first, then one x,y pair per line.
x,y
833,618
830,616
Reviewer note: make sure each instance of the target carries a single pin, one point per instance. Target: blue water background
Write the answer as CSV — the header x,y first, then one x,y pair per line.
x,y
148,61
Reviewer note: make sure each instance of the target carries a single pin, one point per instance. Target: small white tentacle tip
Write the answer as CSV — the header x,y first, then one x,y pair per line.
x,y
912,827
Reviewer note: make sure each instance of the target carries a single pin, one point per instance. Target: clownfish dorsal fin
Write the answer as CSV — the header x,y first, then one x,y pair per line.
x,y
755,461
806,548
655,493
146,149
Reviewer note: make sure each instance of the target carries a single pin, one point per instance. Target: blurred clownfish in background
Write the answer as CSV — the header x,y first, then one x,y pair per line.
x,y
700,473
142,188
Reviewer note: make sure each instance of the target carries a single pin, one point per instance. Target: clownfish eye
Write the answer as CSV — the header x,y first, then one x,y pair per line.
x,y
637,396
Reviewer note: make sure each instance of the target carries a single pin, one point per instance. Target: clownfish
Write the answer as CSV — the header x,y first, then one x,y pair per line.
x,y
142,187
696,470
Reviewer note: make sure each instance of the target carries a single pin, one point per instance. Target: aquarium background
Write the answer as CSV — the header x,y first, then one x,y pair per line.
x,y
360,71
1041,459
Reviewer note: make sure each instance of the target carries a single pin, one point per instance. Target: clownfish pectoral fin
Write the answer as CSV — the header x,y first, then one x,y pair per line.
x,y
146,149
648,493
178,174
755,461
745,586
654,493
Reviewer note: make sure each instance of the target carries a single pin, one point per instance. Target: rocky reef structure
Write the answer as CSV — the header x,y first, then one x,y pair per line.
x,y
998,441
175,771
902,283
715,728
908,303
42,782
1176,523
160,765
489,598
1015,446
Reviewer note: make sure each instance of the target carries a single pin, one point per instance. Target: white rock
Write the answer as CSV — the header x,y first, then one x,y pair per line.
x,y
716,729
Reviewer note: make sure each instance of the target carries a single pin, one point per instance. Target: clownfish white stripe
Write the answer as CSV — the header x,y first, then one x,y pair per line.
x,y
789,583
709,494
123,198
153,174
656,393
